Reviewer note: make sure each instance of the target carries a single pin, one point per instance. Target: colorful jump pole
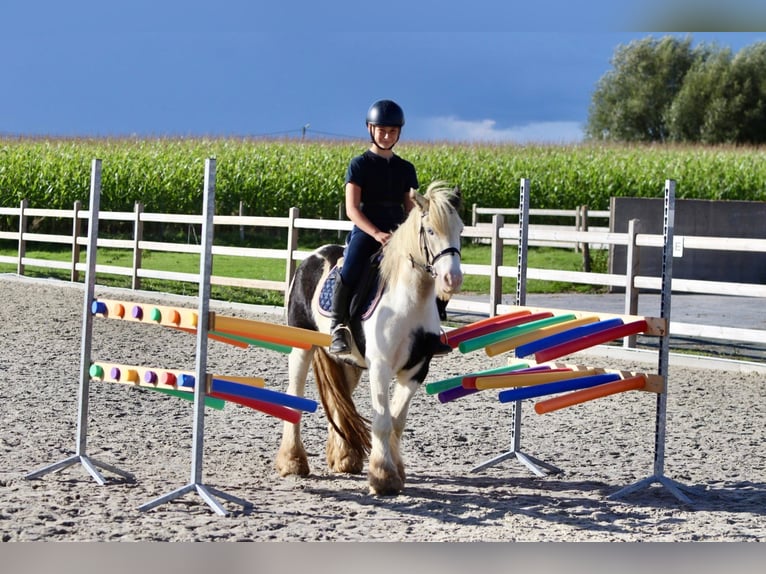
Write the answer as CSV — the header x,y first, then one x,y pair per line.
x,y
469,381
529,379
451,383
484,326
560,386
282,334
557,338
533,335
278,411
226,387
530,323
575,345
634,383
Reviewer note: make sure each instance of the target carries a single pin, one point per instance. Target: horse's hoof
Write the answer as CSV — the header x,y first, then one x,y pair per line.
x,y
347,465
292,467
375,491
382,484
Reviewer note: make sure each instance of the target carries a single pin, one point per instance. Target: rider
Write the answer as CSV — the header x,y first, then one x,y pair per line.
x,y
377,187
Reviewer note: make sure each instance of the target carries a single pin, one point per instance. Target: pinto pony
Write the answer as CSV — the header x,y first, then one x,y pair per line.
x,y
420,262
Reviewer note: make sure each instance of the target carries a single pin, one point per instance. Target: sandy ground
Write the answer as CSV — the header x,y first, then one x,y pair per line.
x,y
715,433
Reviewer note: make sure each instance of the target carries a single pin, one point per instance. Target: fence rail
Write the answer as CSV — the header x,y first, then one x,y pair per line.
x,y
495,233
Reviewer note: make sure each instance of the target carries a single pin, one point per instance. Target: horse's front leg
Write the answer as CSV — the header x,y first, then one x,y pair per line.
x,y
400,405
291,458
383,473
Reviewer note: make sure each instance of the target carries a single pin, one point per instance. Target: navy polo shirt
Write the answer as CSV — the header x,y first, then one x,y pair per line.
x,y
385,183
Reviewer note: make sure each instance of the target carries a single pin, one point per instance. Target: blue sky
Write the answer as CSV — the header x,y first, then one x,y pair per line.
x,y
463,71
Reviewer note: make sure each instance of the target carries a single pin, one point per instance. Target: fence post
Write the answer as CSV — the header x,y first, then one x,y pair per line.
x,y
496,282
241,227
292,245
578,225
74,276
22,252
585,245
138,236
631,270
474,216
341,217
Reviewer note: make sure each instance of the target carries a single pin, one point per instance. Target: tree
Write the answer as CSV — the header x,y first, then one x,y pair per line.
x,y
632,101
690,114
748,81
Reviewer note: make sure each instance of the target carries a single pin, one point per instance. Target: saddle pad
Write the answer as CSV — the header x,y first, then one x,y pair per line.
x,y
371,299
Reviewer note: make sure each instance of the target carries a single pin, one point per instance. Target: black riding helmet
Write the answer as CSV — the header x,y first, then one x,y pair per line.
x,y
384,113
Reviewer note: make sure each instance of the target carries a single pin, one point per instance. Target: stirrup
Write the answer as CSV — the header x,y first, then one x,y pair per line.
x,y
440,349
340,341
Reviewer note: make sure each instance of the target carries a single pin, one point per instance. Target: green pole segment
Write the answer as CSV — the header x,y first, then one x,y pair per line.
x,y
454,382
496,337
257,342
211,402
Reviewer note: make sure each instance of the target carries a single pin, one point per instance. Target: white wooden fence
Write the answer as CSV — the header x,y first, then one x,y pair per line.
x,y
495,233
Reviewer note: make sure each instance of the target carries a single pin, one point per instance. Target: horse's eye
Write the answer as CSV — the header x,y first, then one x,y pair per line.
x,y
430,231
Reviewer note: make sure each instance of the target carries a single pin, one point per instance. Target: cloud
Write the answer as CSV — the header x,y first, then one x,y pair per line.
x,y
451,128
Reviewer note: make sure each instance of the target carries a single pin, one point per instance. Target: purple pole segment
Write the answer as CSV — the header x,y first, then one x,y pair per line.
x,y
150,377
137,312
582,331
114,373
455,393
556,387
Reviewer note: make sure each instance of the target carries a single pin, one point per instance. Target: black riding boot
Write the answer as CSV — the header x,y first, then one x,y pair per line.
x,y
438,347
341,336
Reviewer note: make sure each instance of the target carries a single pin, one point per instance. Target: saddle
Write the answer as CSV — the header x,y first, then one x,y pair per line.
x,y
366,295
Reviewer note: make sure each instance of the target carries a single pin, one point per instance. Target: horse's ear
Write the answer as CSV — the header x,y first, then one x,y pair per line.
x,y
420,200
457,199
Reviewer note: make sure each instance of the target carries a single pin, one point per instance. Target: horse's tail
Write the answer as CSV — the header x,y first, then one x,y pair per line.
x,y
335,393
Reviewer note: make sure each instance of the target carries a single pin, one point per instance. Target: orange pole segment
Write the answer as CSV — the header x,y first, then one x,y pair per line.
x,y
268,338
239,344
296,336
576,397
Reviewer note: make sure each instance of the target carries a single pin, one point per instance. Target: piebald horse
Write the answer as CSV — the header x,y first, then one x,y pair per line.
x,y
420,262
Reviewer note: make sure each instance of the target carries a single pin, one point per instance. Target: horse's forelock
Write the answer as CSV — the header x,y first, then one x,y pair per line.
x,y
443,202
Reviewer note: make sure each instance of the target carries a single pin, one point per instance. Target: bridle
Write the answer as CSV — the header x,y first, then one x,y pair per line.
x,y
431,260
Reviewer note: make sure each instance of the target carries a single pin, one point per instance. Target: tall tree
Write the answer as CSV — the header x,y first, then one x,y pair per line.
x,y
723,99
696,110
631,101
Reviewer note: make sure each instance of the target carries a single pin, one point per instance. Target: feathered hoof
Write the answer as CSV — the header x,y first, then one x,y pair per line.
x,y
348,465
292,465
343,459
385,483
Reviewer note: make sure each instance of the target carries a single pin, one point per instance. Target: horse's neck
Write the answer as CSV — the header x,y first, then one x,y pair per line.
x,y
410,283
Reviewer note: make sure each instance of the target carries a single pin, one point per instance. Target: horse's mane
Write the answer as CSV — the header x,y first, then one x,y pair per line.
x,y
443,201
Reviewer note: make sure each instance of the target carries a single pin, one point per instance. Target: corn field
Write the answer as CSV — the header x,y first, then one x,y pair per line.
x,y
269,177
